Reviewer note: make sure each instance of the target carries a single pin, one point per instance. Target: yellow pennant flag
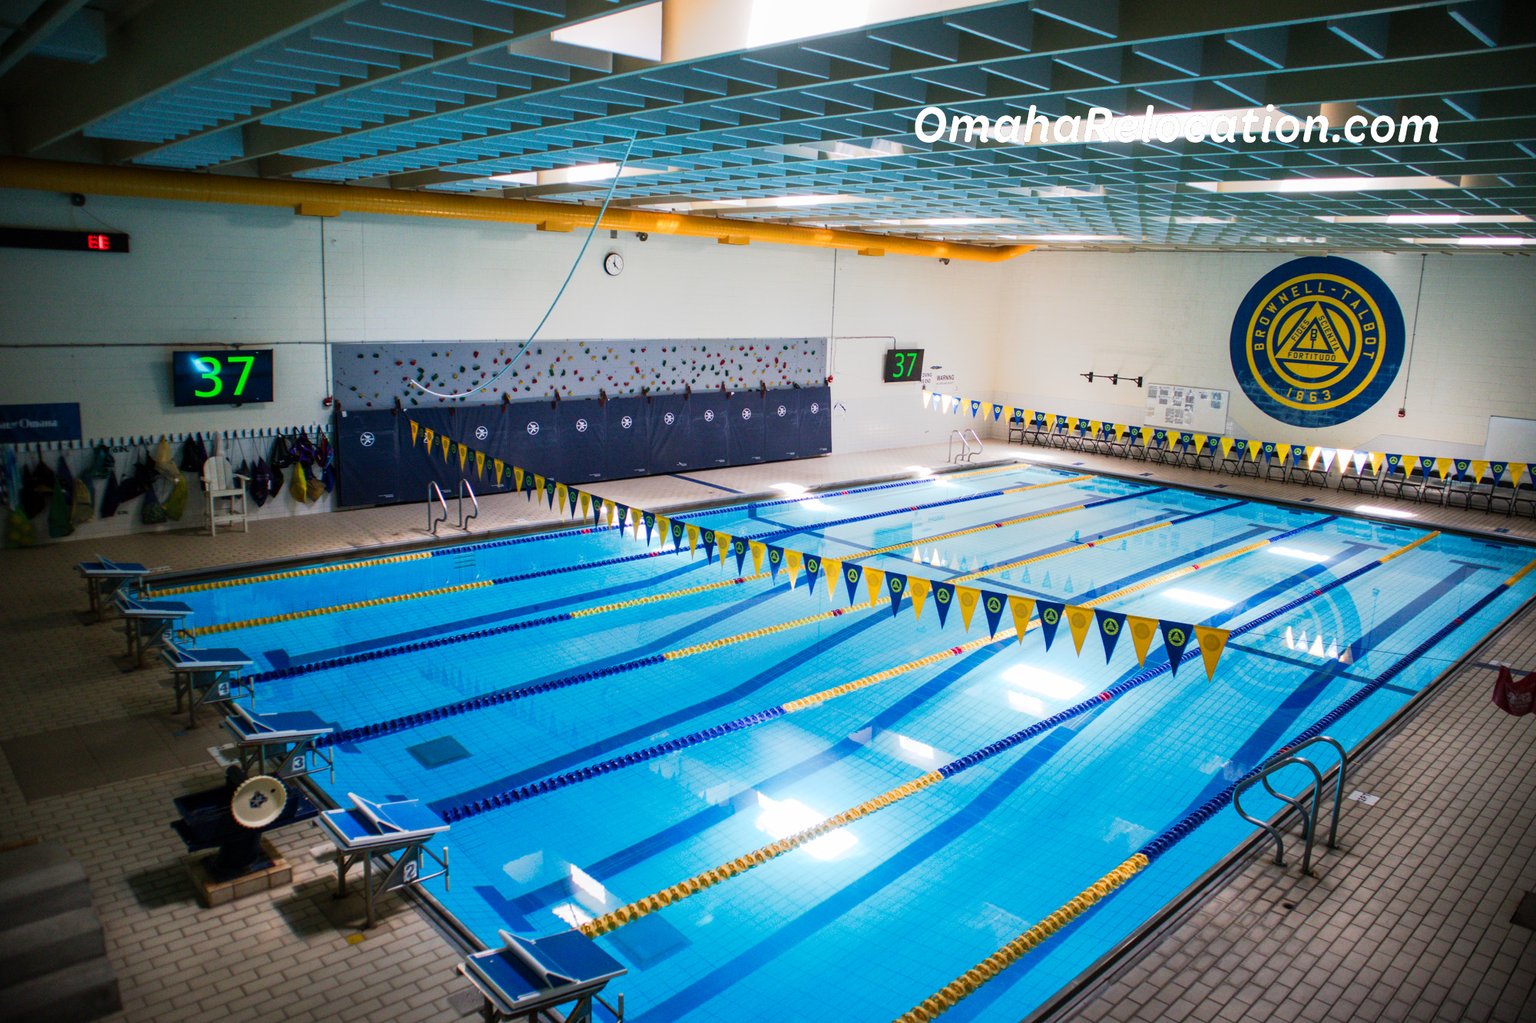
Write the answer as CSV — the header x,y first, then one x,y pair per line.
x,y
1146,435
1443,467
663,529
759,550
968,597
1072,422
1377,458
874,582
723,545
1022,608
480,465
1255,447
1008,411
1479,470
561,491
1516,471
500,467
832,571
792,562
1200,440
445,447
1143,632
1095,427
415,429
586,504
517,477
1079,620
1121,430
429,435
1029,415
538,483
463,456
1312,450
693,538
635,519
918,589
1212,643
1226,447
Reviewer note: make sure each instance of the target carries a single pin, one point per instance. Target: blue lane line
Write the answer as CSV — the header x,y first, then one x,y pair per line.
x,y
690,828
712,486
757,682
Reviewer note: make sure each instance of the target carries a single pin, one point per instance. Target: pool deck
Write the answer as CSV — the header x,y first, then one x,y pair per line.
x,y
1409,921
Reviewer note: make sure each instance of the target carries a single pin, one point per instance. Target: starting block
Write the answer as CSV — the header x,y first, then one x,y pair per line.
x,y
529,978
104,578
284,745
148,624
205,676
369,830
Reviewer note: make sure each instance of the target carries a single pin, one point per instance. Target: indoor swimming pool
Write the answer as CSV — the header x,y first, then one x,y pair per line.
x,y
601,719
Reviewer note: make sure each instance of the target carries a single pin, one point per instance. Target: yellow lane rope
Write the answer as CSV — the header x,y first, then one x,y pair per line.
x,y
709,878
219,584
967,983
984,526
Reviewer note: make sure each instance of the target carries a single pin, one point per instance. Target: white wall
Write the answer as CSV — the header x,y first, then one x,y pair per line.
x,y
202,273
1168,316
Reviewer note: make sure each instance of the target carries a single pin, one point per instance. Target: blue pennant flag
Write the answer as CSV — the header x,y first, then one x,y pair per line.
x,y
943,599
572,495
549,491
1270,450
739,548
707,538
851,575
649,518
677,535
1298,453
1050,618
997,412
530,485
1111,623
1176,636
993,604
896,585
597,510
775,561
812,572
623,511
975,408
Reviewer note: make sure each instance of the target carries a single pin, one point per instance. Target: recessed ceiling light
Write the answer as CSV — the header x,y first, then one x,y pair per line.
x,y
1071,237
1325,185
1487,241
762,202
1432,218
579,174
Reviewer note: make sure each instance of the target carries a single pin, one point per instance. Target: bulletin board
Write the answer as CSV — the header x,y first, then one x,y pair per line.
x,y
1187,407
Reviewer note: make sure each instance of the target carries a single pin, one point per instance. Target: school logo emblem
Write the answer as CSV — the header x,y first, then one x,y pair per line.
x,y
533,429
481,433
1317,341
709,415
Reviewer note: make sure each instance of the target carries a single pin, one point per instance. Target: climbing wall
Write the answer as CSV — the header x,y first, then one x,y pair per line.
x,y
372,375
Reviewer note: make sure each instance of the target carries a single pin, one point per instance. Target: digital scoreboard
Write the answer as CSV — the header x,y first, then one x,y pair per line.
x,y
63,241
903,364
226,376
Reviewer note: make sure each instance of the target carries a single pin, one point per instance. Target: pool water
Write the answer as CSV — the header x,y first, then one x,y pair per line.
x,y
870,919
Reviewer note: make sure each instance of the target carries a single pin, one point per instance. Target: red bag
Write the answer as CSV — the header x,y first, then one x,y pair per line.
x,y
1515,697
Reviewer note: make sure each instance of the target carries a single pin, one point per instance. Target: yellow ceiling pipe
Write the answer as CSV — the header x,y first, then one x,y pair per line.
x,y
302,196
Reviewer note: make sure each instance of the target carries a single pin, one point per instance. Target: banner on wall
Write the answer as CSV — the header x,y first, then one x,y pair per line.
x,y
1317,341
35,424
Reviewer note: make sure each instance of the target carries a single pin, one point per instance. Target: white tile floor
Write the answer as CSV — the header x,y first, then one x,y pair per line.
x,y
1408,922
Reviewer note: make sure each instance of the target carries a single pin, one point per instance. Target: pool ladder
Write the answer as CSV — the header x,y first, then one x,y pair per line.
x,y
1286,758
438,513
970,445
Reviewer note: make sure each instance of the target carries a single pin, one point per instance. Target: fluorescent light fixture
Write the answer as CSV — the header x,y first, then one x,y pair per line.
x,y
1325,185
1046,683
579,174
692,29
1432,218
1066,192
1505,241
634,32
1300,555
1071,237
782,818
1198,598
945,221
763,202
1204,220
1391,513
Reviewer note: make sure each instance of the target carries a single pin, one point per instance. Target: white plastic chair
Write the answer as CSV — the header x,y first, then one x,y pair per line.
x,y
221,483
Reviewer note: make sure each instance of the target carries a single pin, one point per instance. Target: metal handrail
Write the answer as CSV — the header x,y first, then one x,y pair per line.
x,y
1285,758
464,487
971,453
967,452
433,518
